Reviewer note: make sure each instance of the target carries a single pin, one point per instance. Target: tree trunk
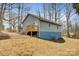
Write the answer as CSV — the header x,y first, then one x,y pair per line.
x,y
1,16
19,17
68,34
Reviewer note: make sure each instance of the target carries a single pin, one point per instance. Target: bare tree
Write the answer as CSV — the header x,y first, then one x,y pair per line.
x,y
21,9
54,12
10,17
49,12
68,13
2,11
55,9
44,10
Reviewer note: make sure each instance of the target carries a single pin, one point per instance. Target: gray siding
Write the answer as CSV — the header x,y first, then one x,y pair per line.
x,y
47,27
29,21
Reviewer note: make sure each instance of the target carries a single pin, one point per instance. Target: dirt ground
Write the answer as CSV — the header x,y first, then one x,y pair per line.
x,y
23,45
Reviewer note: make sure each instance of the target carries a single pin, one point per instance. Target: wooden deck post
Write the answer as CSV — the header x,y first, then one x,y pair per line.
x,y
31,33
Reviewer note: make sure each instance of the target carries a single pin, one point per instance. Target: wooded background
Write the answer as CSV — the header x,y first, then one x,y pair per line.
x,y
65,14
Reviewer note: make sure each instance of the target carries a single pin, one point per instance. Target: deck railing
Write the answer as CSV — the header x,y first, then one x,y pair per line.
x,y
32,28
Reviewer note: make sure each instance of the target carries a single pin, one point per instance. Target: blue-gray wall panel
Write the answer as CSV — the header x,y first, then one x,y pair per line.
x,y
50,35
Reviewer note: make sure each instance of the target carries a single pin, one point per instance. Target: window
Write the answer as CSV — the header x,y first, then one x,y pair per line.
x,y
35,23
57,27
49,25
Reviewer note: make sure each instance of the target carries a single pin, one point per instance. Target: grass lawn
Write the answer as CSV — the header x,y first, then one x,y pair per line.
x,y
21,45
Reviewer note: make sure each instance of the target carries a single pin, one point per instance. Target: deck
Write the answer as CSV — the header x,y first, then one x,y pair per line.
x,y
32,28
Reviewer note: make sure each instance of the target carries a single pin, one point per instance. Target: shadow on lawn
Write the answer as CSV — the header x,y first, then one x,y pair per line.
x,y
60,40
4,36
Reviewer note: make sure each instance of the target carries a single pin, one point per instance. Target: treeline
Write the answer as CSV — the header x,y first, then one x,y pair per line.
x,y
13,14
65,14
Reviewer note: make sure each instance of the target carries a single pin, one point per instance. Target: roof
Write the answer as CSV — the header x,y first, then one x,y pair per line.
x,y
41,19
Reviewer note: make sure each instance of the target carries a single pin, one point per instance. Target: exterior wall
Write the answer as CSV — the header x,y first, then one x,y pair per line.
x,y
46,30
47,27
49,31
50,35
30,21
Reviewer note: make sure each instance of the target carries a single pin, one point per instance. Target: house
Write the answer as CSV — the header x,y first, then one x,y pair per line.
x,y
43,28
